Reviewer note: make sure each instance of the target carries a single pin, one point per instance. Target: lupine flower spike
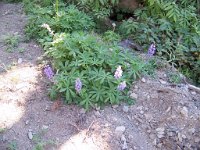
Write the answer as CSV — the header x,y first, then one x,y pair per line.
x,y
118,72
152,49
48,72
46,26
121,86
78,85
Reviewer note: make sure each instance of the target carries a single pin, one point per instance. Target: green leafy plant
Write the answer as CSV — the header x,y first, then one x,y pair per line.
x,y
174,77
21,50
173,26
11,42
93,62
97,8
111,36
12,145
68,19
2,130
40,143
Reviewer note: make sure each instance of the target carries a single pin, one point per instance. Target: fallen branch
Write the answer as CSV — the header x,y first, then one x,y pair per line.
x,y
192,87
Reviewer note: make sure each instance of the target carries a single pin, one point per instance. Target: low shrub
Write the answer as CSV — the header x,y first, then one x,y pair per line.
x,y
174,27
68,19
91,72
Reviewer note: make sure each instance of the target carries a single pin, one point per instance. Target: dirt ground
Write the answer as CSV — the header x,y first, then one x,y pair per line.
x,y
164,117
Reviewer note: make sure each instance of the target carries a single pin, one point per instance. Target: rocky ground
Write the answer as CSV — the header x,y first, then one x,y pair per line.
x,y
165,116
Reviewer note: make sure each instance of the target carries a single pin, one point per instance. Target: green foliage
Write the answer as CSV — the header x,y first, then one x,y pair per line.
x,y
174,77
86,56
173,26
11,42
40,143
2,130
111,36
12,145
97,8
68,19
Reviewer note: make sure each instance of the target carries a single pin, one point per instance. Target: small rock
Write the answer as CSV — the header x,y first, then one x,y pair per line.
x,y
183,136
160,132
47,108
154,95
160,135
125,109
152,136
192,130
139,108
27,122
97,113
44,127
123,139
115,106
160,129
155,142
148,131
125,146
159,145
30,135
107,125
148,97
184,112
168,109
141,112
193,93
143,80
130,137
82,111
170,134
19,61
134,96
162,81
148,117
30,130
197,140
120,130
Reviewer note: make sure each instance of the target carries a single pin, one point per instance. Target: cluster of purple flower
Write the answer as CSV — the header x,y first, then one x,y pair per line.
x,y
118,72
152,49
118,75
78,85
122,86
48,72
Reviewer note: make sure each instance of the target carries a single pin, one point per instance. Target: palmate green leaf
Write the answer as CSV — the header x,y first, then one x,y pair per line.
x,y
86,101
114,96
98,94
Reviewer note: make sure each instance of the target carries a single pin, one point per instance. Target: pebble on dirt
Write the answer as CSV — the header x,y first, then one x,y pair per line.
x,y
30,135
125,109
120,130
184,112
134,96
143,80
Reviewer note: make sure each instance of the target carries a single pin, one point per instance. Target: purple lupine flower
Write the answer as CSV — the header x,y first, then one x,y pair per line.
x,y
48,72
152,49
78,85
121,86
118,72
